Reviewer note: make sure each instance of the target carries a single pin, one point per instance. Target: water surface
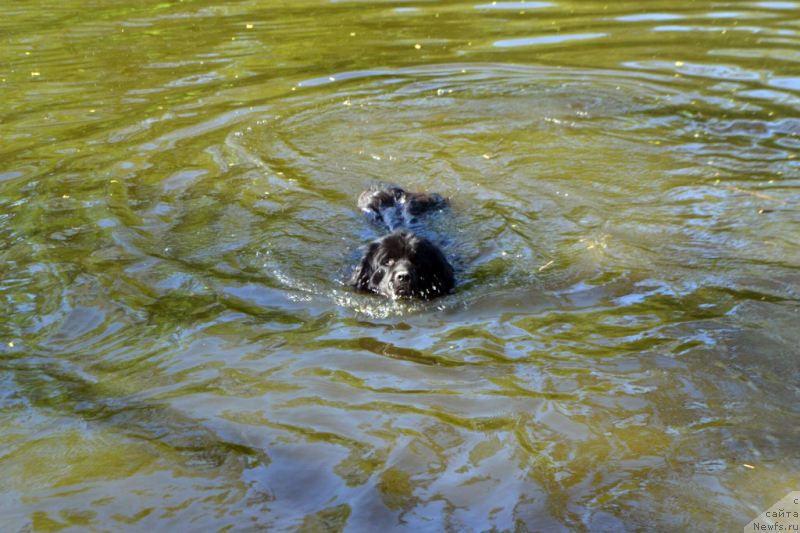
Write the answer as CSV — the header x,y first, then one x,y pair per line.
x,y
180,351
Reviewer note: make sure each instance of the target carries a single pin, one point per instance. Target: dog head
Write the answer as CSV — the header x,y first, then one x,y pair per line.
x,y
404,265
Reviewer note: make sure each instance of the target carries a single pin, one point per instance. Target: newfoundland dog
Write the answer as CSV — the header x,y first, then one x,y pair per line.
x,y
402,264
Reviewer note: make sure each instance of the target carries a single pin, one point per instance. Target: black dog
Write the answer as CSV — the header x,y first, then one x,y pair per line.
x,y
402,264
398,208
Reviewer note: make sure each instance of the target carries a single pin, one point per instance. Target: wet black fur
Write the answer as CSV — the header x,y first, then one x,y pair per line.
x,y
402,264
397,208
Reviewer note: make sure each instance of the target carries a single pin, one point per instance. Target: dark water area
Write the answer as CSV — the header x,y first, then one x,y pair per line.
x,y
179,350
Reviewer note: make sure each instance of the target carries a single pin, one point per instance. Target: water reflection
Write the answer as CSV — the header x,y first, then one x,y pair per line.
x,y
555,39
180,351
515,5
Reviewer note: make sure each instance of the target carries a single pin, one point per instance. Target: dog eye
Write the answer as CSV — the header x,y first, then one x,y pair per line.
x,y
388,262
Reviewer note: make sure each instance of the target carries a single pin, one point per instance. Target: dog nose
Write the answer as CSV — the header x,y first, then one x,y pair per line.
x,y
402,276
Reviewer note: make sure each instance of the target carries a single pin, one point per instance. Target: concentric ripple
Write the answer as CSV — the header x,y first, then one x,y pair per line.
x,y
179,350
513,147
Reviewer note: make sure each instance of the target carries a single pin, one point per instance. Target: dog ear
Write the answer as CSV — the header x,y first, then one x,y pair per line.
x,y
438,273
363,272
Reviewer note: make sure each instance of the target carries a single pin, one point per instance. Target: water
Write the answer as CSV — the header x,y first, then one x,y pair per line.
x,y
180,351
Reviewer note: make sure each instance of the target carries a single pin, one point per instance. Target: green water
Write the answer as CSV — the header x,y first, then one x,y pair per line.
x,y
180,352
